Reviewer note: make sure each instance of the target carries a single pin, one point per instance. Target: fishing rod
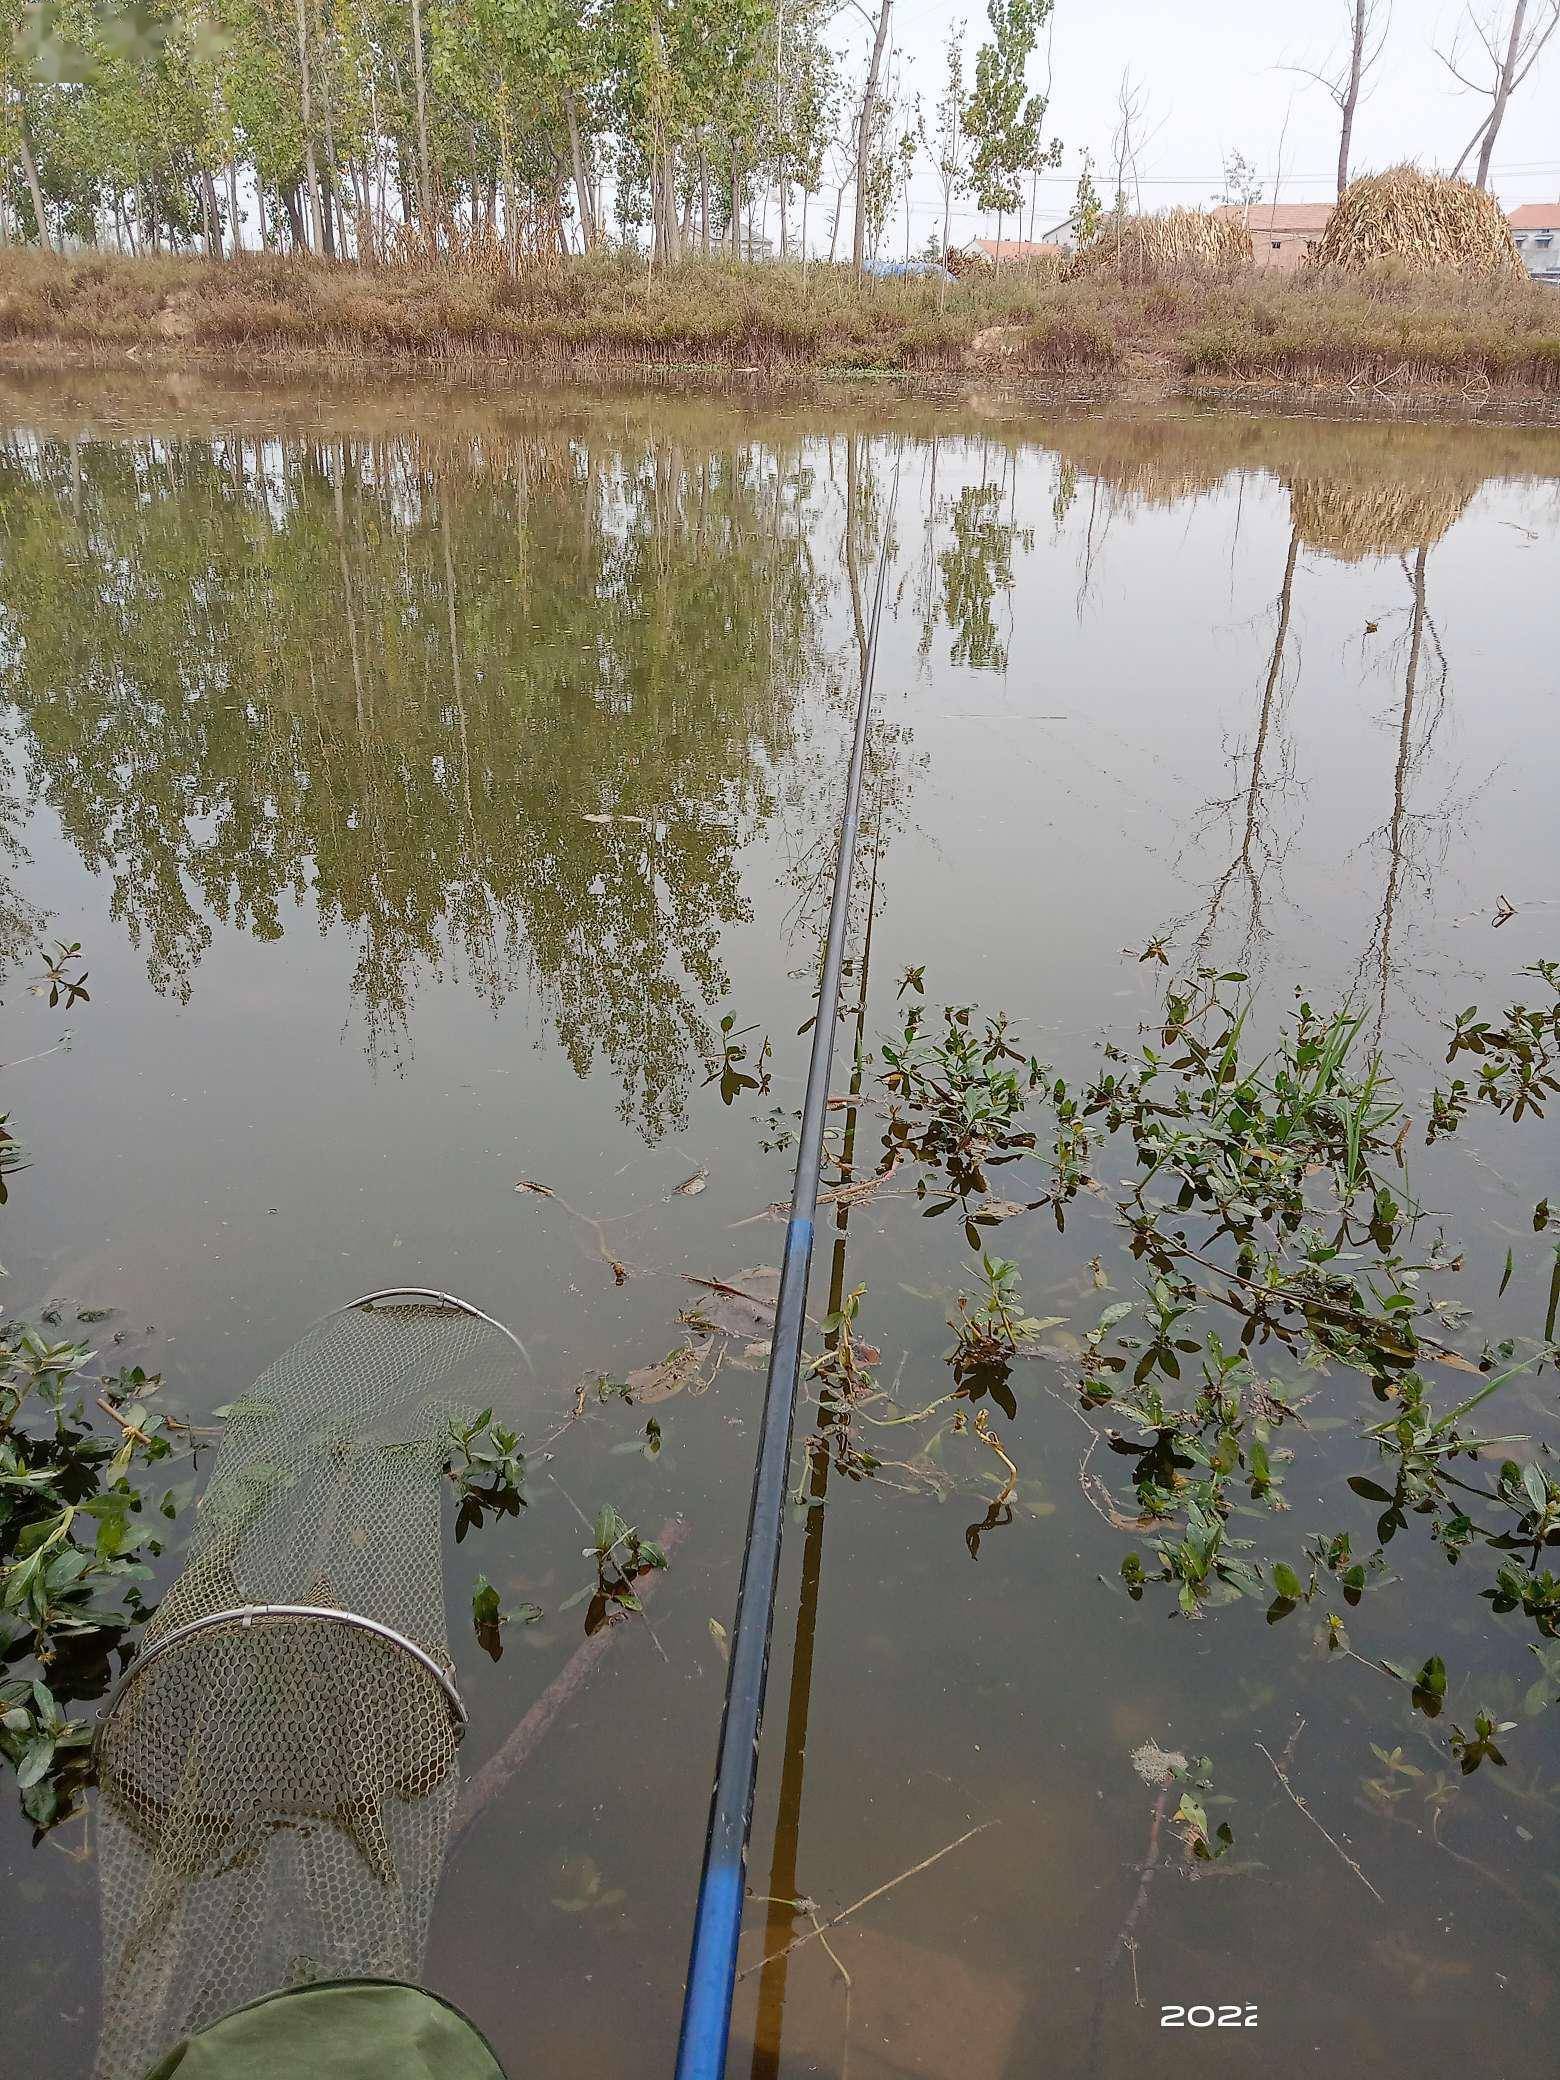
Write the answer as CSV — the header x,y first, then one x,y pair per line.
x,y
717,1920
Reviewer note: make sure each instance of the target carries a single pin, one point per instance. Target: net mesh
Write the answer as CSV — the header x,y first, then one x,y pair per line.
x,y
277,1786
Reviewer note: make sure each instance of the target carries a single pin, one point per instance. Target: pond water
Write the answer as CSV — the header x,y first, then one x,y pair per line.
x,y
425,777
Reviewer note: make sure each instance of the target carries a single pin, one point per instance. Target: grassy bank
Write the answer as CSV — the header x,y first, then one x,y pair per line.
x,y
1386,330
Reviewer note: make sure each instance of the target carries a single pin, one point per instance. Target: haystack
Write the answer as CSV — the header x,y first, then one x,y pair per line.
x,y
1182,241
1422,220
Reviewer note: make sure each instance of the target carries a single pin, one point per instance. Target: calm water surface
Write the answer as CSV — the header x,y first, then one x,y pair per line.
x,y
425,777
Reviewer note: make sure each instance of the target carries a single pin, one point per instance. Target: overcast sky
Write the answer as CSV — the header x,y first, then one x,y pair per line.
x,y
1214,77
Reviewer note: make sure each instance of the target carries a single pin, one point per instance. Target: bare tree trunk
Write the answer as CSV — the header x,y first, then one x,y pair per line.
x,y
235,215
1351,92
581,180
704,203
511,202
30,170
213,215
736,207
335,215
780,179
667,159
864,127
1502,95
306,85
289,199
422,114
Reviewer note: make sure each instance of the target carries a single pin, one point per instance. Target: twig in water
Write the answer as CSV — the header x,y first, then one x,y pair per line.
x,y
818,1931
130,1429
866,1900
984,1432
497,1771
1326,1837
1124,1938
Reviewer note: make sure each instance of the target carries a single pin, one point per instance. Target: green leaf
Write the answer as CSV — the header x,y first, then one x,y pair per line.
x,y
1372,1491
36,1758
1430,1687
1287,1582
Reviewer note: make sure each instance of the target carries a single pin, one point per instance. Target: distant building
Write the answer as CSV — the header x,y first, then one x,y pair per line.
x,y
1283,234
998,252
1536,229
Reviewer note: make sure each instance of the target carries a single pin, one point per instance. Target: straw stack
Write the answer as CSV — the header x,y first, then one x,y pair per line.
x,y
1422,220
1182,241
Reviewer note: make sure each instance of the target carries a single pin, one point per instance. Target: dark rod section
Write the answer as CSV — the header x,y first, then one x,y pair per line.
x,y
717,1921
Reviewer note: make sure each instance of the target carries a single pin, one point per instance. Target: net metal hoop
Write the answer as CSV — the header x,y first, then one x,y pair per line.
x,y
449,1300
243,1615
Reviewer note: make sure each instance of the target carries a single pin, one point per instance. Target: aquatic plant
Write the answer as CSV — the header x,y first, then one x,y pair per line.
x,y
1518,1059
76,1527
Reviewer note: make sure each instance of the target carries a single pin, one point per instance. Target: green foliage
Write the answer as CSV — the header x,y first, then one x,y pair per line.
x,y
623,1557
488,1469
1190,1818
959,1103
488,1615
1088,210
1518,1059
72,1500
992,1330
1003,119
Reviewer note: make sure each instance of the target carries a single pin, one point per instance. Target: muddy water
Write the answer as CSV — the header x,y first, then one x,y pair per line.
x,y
426,778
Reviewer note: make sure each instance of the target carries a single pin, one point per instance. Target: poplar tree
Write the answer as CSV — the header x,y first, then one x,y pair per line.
x,y
1004,119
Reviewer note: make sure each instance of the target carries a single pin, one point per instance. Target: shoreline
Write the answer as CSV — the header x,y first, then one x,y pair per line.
x,y
984,382
1384,345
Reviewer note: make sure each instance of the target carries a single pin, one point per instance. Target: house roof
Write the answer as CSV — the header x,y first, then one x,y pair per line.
x,y
1016,248
1279,216
1535,216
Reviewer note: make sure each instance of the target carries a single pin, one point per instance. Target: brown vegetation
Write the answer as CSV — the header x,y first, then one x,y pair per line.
x,y
1383,328
1194,243
1422,221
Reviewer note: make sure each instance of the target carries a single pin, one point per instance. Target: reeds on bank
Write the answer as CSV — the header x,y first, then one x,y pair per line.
x,y
1189,322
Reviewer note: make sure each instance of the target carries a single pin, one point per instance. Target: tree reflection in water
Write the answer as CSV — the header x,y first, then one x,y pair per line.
x,y
510,704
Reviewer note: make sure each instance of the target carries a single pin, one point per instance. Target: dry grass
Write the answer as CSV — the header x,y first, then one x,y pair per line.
x,y
1423,221
1383,326
1181,243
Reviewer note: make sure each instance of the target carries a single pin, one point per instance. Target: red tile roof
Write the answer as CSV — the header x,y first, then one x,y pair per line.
x,y
1535,216
1280,216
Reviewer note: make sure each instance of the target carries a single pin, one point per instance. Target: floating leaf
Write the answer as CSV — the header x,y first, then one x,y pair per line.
x,y
1429,1692
742,1307
669,1376
1372,1491
542,1191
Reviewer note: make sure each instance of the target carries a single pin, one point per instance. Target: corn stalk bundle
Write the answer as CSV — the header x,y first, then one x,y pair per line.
x,y
1182,241
1422,220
